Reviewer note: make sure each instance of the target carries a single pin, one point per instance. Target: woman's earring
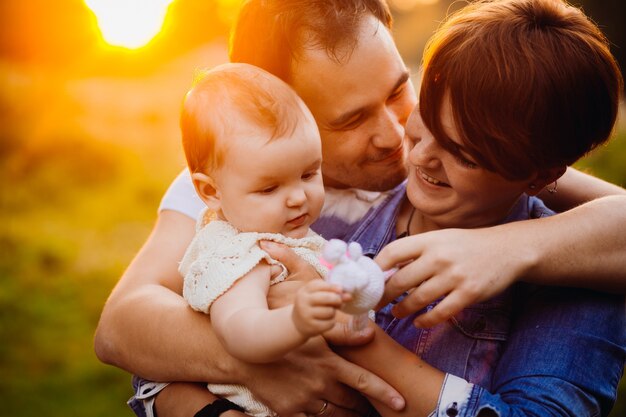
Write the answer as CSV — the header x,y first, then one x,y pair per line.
x,y
532,186
553,189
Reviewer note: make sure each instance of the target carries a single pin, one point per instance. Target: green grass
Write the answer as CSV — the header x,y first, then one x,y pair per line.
x,y
73,214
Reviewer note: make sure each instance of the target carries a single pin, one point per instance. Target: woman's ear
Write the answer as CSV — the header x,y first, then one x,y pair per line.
x,y
207,190
544,178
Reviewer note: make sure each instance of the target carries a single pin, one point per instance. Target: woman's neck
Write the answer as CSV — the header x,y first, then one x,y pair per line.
x,y
411,221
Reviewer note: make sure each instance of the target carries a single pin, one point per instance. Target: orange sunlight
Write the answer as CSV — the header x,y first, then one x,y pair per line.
x,y
129,24
407,5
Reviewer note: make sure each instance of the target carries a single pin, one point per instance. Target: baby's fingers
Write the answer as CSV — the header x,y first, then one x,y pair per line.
x,y
322,299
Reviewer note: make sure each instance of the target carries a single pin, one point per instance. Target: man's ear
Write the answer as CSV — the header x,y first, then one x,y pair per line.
x,y
207,190
544,178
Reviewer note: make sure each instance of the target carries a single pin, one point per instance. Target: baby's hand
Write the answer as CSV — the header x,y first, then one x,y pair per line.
x,y
315,306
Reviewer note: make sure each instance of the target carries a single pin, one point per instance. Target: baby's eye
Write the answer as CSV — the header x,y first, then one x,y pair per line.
x,y
268,190
309,175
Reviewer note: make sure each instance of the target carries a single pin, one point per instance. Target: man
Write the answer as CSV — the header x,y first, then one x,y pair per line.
x,y
340,58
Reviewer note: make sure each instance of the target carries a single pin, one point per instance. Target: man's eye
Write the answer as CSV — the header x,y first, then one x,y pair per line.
x,y
396,93
352,123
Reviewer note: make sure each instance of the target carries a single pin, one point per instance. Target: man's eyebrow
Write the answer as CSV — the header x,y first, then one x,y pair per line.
x,y
341,120
404,77
344,118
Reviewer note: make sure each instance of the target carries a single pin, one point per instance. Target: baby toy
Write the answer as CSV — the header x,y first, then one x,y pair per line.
x,y
356,274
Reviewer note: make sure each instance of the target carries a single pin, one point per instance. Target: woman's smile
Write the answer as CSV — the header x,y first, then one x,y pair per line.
x,y
429,179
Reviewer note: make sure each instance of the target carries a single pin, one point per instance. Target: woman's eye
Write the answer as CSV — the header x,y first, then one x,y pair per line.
x,y
466,163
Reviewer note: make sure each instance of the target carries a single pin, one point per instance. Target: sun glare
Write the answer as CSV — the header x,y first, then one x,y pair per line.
x,y
129,24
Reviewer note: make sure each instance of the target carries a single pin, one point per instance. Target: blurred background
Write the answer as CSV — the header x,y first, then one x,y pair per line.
x,y
89,99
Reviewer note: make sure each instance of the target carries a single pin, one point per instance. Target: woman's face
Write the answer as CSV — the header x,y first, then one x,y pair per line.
x,y
447,186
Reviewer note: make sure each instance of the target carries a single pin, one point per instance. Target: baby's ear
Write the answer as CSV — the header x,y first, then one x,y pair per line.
x,y
207,190
544,178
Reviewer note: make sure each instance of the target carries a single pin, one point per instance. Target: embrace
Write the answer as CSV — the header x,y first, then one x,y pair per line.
x,y
509,294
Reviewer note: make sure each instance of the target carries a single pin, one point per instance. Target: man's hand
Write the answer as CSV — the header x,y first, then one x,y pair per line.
x,y
463,266
300,272
312,374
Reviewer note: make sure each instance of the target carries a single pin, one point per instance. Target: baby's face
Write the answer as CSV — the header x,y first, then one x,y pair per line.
x,y
273,186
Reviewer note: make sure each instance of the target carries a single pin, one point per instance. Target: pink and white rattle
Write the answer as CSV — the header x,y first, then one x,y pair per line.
x,y
356,274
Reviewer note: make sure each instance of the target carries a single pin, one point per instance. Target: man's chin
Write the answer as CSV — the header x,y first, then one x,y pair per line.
x,y
370,180
383,184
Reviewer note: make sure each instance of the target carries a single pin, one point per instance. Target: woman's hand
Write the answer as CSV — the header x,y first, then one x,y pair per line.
x,y
462,266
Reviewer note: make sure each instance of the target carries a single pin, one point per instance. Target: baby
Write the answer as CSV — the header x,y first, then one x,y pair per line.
x,y
254,153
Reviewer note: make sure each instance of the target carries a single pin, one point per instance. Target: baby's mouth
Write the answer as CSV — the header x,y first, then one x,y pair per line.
x,y
298,221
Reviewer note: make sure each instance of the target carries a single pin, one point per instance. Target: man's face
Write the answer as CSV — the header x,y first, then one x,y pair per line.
x,y
361,106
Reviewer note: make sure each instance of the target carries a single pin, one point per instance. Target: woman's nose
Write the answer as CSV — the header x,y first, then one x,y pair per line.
x,y
425,150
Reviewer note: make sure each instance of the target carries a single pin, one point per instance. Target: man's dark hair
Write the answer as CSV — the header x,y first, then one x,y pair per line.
x,y
271,33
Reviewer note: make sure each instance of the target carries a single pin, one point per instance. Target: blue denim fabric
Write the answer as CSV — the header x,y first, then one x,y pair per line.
x,y
530,351
142,403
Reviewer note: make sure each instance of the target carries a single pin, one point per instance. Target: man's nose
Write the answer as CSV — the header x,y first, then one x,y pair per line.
x,y
390,131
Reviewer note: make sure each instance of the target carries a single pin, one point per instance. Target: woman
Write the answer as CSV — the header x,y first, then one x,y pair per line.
x,y
513,91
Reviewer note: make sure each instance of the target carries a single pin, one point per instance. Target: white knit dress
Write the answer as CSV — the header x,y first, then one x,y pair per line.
x,y
217,257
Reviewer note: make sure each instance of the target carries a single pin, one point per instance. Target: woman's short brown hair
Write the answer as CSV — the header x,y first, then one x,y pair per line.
x,y
532,84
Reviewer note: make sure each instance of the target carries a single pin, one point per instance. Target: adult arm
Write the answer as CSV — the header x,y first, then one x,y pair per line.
x,y
564,357
148,329
418,382
576,188
583,247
